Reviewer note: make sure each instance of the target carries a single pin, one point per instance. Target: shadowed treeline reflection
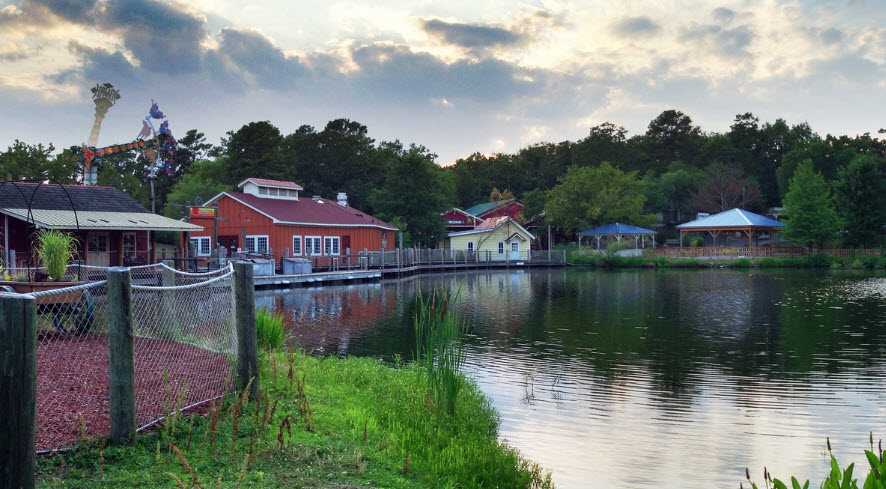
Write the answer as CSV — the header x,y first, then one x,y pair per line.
x,y
703,371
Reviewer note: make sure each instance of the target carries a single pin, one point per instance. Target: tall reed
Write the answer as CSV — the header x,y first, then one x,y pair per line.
x,y
55,250
269,330
438,346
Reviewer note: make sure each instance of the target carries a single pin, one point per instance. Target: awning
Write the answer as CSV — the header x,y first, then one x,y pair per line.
x,y
96,220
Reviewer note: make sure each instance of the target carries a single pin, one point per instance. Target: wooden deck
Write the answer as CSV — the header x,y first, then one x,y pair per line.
x,y
376,274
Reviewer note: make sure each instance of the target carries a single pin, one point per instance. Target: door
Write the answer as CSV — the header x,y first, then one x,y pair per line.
x,y
97,246
515,250
229,243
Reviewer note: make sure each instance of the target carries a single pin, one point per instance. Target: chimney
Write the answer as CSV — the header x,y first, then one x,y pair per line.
x,y
342,199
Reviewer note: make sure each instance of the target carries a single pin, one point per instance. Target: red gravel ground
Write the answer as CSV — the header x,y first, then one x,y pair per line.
x,y
72,384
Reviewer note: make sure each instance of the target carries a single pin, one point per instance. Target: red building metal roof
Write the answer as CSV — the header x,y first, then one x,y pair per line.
x,y
309,211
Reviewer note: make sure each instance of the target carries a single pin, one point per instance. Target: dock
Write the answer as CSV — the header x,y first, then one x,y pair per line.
x,y
391,270
314,279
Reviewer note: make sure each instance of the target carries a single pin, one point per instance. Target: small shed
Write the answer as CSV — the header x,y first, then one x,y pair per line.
x,y
619,231
739,221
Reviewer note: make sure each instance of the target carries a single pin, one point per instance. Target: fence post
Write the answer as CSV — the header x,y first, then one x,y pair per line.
x,y
244,316
18,390
121,368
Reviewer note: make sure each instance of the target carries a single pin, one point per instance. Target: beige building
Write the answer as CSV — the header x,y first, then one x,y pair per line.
x,y
495,239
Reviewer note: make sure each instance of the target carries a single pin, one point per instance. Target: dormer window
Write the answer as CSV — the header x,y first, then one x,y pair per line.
x,y
270,189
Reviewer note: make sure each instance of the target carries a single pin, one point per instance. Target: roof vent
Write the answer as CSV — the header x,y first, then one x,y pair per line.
x,y
317,199
342,199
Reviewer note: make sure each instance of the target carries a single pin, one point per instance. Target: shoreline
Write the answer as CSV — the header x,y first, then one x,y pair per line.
x,y
604,261
320,422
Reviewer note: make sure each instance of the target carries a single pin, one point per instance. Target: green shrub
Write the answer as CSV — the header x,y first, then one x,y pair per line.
x,y
269,330
741,263
55,250
818,261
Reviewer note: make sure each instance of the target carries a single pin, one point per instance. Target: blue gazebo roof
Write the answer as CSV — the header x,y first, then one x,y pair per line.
x,y
614,229
733,218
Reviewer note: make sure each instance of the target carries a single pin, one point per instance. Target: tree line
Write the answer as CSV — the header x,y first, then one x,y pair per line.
x,y
834,184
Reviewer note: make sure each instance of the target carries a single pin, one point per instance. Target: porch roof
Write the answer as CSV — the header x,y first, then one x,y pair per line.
x,y
99,220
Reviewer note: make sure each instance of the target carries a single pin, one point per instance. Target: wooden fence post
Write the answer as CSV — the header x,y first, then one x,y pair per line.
x,y
121,363
244,316
18,390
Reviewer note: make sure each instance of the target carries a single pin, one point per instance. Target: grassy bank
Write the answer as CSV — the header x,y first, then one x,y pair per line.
x,y
319,423
814,261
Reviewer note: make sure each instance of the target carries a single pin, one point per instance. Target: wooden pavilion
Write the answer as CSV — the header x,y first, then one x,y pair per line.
x,y
618,231
739,221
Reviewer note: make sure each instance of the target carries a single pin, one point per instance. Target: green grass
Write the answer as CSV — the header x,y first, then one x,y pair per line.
x,y
269,331
438,347
55,250
343,423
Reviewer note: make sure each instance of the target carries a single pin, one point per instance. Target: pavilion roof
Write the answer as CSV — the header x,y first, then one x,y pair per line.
x,y
615,229
732,219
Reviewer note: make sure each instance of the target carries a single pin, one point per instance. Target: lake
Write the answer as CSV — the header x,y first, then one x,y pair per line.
x,y
645,379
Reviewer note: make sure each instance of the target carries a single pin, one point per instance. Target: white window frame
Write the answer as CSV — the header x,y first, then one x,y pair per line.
x,y
134,251
255,250
501,247
470,246
334,245
515,246
301,245
319,239
198,247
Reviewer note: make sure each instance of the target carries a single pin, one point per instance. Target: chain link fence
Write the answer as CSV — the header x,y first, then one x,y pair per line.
x,y
184,348
72,359
185,344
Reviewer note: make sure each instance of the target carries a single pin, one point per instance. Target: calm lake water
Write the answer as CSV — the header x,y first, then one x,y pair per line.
x,y
646,379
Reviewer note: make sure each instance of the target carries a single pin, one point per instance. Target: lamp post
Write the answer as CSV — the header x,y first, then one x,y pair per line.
x,y
104,95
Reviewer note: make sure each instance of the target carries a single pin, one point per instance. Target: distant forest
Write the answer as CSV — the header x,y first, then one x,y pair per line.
x,y
661,177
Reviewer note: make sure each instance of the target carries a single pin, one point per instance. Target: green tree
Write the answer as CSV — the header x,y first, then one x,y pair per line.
x,y
200,183
23,161
672,192
811,217
860,191
340,158
413,193
254,150
589,196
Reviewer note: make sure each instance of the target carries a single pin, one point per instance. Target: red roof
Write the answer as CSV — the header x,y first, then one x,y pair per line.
x,y
272,183
309,211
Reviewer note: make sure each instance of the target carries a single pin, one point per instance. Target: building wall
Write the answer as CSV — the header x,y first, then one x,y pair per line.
x,y
236,220
513,210
487,243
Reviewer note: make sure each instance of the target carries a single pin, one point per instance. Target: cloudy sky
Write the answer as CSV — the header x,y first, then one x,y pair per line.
x,y
458,76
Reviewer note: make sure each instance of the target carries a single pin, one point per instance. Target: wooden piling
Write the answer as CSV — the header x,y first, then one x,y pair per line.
x,y
18,390
121,368
244,316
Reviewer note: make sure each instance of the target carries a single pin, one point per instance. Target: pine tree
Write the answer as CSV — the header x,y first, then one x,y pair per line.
x,y
812,220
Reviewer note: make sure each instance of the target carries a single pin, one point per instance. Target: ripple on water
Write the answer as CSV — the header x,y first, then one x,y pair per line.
x,y
703,372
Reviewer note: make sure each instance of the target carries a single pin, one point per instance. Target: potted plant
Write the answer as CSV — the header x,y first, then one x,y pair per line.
x,y
55,251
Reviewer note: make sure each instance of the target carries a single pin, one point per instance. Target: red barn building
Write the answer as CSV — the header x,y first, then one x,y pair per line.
x,y
110,227
463,220
269,217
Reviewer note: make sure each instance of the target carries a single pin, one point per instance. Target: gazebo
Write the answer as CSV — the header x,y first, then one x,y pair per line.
x,y
737,221
618,231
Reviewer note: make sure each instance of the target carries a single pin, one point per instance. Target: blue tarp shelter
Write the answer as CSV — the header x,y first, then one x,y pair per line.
x,y
734,220
618,231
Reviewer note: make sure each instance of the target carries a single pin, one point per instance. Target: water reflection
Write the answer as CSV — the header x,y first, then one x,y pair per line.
x,y
643,378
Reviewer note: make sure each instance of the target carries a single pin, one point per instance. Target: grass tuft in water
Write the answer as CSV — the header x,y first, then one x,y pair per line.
x,y
438,347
